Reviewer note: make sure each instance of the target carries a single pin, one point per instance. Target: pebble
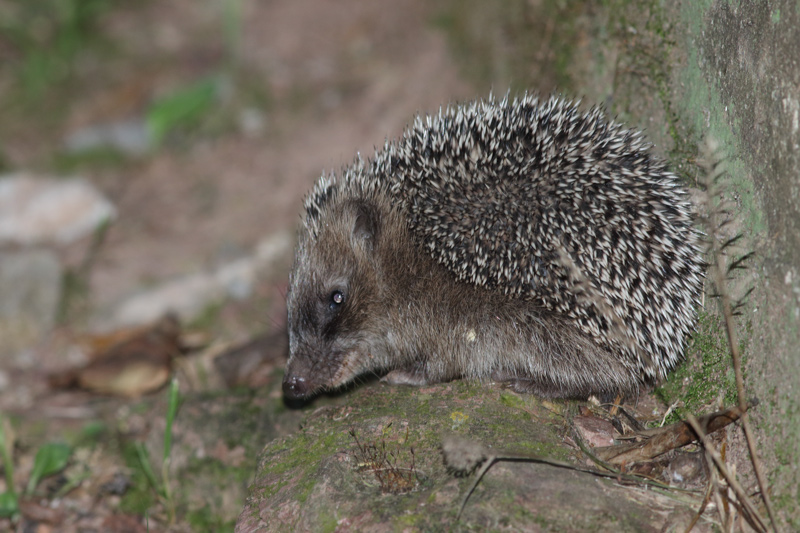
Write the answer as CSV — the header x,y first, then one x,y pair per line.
x,y
37,210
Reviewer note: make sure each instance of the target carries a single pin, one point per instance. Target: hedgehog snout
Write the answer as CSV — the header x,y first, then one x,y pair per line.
x,y
295,387
301,378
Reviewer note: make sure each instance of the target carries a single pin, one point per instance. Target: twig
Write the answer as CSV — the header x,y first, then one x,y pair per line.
x,y
662,440
725,301
717,492
753,518
669,412
702,508
463,456
737,366
489,462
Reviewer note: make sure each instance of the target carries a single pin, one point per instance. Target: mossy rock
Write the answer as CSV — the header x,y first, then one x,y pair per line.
x,y
374,463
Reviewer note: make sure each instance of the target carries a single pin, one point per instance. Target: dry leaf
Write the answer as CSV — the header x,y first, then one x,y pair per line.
x,y
140,361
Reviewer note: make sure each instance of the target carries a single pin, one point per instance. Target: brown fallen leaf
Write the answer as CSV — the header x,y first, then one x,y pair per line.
x,y
97,345
138,363
595,431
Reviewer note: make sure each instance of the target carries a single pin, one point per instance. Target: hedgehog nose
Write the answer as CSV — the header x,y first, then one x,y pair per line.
x,y
295,387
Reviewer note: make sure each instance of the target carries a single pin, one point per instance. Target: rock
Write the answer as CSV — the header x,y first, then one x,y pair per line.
x,y
373,463
30,289
239,277
186,296
127,136
35,210
189,295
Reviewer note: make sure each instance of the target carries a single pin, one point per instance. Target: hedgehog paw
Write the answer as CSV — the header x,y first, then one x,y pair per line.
x,y
413,377
528,386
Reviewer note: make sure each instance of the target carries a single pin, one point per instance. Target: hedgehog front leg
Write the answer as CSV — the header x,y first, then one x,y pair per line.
x,y
415,375
405,377
538,387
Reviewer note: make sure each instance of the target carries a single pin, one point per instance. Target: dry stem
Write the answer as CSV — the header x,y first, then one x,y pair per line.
x,y
717,262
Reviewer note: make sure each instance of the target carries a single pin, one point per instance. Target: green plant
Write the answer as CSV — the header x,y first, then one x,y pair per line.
x,y
162,487
50,459
705,377
8,499
181,108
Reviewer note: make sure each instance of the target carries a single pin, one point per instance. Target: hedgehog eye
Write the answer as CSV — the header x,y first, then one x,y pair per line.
x,y
337,299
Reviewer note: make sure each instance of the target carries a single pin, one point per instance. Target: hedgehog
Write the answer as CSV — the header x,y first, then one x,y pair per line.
x,y
521,241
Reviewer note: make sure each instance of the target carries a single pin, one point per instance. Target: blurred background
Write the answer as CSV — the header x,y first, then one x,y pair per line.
x,y
153,160
187,132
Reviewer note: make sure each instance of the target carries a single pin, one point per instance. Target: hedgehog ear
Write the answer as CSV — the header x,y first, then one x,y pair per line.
x,y
365,227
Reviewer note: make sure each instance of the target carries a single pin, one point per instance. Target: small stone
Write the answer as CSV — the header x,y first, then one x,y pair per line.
x,y
186,296
35,210
189,295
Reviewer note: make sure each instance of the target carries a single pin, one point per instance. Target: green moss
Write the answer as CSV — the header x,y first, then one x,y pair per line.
x,y
706,375
304,452
551,450
327,522
702,110
514,423
644,76
512,400
409,520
